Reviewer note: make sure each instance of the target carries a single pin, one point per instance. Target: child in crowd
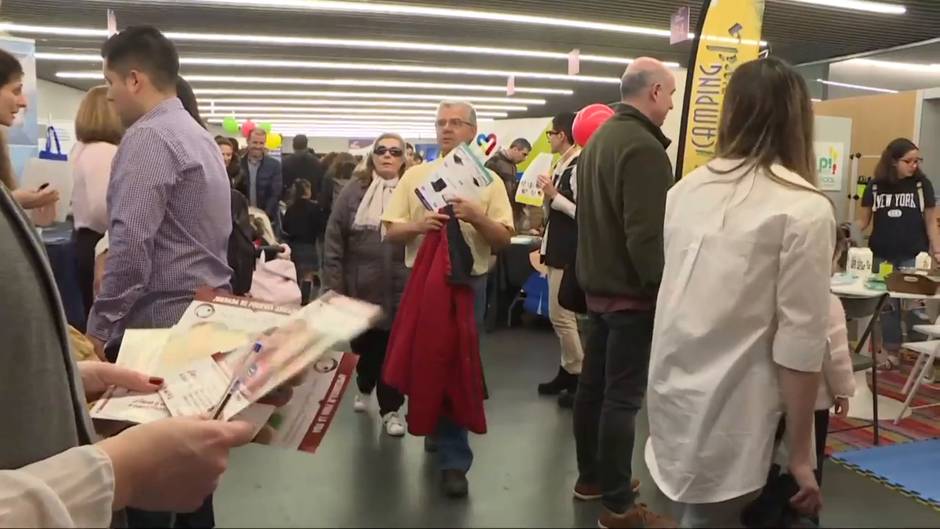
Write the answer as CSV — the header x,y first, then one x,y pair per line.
x,y
304,221
838,380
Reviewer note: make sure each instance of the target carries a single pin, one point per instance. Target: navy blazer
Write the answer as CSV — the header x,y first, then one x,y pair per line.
x,y
269,184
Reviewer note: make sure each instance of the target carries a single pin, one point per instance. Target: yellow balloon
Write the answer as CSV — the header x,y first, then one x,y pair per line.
x,y
274,141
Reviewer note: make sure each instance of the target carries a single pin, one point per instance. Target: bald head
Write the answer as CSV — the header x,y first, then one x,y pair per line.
x,y
648,85
640,75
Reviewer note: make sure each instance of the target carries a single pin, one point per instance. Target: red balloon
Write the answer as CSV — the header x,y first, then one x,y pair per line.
x,y
588,120
247,127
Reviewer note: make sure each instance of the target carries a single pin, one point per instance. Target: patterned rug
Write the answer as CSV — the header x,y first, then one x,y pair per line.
x,y
921,425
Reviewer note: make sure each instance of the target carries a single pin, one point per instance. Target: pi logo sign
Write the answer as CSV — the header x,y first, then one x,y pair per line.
x,y
830,165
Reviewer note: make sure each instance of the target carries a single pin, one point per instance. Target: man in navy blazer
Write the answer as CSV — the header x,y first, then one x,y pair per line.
x,y
261,178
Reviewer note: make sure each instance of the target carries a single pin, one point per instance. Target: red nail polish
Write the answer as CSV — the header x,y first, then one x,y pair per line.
x,y
156,381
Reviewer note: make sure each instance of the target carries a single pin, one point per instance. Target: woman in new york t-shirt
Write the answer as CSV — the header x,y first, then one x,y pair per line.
x,y
900,201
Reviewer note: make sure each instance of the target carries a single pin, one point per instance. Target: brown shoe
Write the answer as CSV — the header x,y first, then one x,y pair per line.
x,y
637,516
592,491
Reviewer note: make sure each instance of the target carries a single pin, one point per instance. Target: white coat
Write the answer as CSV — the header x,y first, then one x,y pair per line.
x,y
745,288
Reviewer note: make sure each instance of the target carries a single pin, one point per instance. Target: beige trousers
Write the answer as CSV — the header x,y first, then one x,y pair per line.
x,y
565,323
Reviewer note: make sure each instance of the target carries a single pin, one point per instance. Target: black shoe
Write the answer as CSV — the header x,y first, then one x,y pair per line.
x,y
454,483
429,445
562,381
566,400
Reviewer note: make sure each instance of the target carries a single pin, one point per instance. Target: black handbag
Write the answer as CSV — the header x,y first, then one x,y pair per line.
x,y
570,294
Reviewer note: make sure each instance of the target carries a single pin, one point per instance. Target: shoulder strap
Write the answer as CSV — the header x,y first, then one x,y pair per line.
x,y
920,194
874,195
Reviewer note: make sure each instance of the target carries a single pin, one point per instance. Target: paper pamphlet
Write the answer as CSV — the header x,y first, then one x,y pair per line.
x,y
528,192
460,174
200,355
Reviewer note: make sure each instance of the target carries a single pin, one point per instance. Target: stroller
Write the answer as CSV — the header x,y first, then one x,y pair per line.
x,y
261,268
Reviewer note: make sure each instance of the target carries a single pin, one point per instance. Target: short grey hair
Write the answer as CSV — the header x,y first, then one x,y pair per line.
x,y
472,112
633,83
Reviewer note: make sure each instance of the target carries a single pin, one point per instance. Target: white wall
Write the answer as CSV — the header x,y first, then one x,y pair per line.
x,y
59,101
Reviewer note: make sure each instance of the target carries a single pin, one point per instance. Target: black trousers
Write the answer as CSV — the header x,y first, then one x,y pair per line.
x,y
371,347
610,392
85,241
203,517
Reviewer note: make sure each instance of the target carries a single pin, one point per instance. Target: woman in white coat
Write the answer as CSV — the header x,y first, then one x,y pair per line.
x,y
741,320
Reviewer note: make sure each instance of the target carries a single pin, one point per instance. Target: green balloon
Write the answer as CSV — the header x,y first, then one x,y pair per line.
x,y
265,126
230,125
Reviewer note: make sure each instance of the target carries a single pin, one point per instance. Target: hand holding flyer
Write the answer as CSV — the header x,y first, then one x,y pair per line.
x,y
460,175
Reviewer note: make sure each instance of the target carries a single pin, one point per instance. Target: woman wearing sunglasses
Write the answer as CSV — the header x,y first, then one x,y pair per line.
x,y
358,262
899,205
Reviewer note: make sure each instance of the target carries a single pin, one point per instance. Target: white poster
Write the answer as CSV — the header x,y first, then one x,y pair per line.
x,y
830,164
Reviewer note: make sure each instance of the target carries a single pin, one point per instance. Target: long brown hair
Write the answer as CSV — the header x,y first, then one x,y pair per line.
x,y
367,168
886,172
10,70
767,119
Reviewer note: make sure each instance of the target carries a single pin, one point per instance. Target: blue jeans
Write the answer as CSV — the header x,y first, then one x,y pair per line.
x,y
453,445
891,314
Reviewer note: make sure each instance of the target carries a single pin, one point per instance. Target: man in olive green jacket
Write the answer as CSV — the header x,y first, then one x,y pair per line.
x,y
623,177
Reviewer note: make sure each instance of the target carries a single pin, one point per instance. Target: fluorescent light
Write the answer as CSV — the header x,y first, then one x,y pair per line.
x,y
815,100
281,117
437,98
905,66
368,67
276,40
406,10
223,109
857,87
859,5
335,82
285,102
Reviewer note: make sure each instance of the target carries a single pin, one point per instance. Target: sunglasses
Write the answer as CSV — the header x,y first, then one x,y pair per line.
x,y
394,151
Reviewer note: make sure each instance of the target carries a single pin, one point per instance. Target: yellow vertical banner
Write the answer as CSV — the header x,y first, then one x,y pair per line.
x,y
729,34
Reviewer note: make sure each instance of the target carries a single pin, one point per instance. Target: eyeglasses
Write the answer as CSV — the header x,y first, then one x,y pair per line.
x,y
551,133
917,161
381,150
453,123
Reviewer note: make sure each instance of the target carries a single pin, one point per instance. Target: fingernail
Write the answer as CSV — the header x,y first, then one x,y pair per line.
x,y
156,381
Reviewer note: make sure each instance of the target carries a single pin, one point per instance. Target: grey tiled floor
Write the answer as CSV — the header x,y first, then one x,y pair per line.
x,y
522,475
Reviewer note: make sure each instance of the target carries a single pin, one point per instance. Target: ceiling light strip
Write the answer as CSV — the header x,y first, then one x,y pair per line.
x,y
858,5
405,10
239,102
383,83
436,98
367,67
222,109
904,66
275,40
857,87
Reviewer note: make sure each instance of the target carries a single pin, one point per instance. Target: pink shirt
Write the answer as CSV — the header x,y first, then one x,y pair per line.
x,y
91,172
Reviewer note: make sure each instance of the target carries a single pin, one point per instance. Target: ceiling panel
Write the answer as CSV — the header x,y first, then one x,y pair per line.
x,y
796,32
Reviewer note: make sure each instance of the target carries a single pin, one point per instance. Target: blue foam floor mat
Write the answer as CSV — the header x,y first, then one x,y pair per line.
x,y
909,467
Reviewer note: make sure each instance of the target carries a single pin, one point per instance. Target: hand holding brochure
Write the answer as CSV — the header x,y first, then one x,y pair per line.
x,y
460,174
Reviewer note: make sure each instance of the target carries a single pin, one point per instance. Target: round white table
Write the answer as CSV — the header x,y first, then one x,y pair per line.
x,y
862,404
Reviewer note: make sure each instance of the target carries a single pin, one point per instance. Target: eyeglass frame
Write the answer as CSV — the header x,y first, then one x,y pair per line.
x,y
454,122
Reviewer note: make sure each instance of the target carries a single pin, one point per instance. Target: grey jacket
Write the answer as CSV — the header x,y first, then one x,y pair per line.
x,y
358,263
43,410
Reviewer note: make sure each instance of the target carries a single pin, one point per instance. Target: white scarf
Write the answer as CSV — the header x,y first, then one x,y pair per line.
x,y
374,202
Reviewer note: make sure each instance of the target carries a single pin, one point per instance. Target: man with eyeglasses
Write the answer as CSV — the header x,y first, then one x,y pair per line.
x,y
505,163
486,226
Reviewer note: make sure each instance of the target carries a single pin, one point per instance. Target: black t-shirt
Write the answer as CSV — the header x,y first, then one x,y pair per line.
x,y
899,232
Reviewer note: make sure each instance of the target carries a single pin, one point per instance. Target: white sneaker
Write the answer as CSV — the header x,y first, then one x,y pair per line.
x,y
361,402
394,426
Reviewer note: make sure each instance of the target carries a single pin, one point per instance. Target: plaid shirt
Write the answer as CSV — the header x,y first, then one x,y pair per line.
x,y
169,206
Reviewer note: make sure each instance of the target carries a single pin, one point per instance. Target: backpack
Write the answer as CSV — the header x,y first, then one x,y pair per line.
x,y
241,249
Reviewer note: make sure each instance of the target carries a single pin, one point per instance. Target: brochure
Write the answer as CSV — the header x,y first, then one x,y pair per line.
x,y
226,353
460,174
